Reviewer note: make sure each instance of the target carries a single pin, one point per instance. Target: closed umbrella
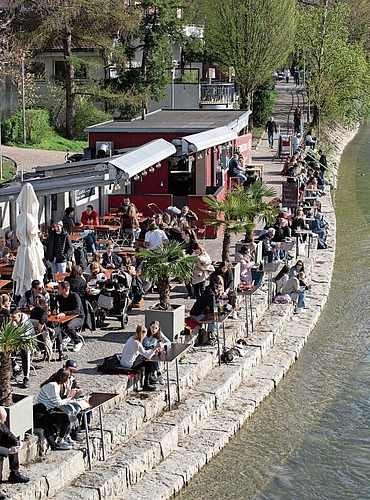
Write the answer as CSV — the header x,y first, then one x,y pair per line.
x,y
29,264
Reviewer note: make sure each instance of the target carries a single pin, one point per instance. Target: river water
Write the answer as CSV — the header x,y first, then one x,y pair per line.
x,y
311,438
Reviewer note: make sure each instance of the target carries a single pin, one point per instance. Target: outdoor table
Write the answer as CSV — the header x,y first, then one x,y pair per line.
x,y
109,218
97,399
248,293
219,318
309,232
53,318
270,267
61,276
76,238
172,354
4,283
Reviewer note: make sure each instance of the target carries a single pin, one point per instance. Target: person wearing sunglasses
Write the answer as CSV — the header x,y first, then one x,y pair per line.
x,y
29,299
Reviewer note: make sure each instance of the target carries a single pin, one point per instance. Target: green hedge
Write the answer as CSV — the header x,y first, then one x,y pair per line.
x,y
37,127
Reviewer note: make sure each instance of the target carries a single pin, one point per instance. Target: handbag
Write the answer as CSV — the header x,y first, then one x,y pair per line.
x,y
105,302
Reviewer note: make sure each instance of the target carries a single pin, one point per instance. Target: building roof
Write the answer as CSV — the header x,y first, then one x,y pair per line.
x,y
179,121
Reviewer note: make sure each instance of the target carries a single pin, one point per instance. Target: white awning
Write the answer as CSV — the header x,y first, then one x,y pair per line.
x,y
241,122
203,140
140,159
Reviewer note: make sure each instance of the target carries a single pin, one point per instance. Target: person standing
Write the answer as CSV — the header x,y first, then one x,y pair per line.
x,y
287,74
271,129
20,318
9,447
59,248
323,163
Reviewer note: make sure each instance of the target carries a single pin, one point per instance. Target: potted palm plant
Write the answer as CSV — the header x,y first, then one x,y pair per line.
x,y
238,212
14,338
160,265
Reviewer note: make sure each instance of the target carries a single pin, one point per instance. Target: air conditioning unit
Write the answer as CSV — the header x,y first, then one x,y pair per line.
x,y
104,149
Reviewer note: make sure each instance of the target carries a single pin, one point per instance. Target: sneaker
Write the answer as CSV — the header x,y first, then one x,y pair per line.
x,y
26,383
69,440
149,388
17,477
62,445
298,310
161,380
153,379
2,495
77,347
62,357
65,341
235,315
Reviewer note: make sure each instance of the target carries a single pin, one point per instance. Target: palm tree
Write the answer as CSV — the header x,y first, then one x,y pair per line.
x,y
162,264
13,338
259,209
238,212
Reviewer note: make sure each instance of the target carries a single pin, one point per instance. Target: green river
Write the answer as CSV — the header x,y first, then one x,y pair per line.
x,y
311,438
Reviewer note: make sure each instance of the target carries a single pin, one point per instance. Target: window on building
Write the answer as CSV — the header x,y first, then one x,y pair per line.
x,y
37,69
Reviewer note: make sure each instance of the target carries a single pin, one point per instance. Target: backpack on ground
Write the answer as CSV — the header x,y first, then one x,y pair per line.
x,y
206,338
81,257
111,365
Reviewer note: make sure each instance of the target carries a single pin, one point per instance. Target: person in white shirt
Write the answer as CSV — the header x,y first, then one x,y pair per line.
x,y
155,237
50,396
135,356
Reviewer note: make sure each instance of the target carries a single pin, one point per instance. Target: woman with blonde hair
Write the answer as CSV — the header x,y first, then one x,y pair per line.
x,y
134,356
202,270
130,225
155,337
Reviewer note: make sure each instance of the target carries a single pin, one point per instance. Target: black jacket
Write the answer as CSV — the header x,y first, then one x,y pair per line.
x,y
7,440
206,303
59,246
77,283
71,305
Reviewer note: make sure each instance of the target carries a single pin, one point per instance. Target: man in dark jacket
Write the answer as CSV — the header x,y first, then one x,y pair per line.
x,y
271,129
207,302
59,248
67,303
323,163
9,447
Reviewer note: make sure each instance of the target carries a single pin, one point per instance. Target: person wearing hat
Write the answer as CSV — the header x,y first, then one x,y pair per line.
x,y
155,237
59,249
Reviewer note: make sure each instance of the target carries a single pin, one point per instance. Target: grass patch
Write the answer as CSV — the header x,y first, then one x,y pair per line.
x,y
9,170
55,142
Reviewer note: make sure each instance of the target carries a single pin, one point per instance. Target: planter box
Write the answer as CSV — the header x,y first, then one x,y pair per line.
x,y
20,415
172,322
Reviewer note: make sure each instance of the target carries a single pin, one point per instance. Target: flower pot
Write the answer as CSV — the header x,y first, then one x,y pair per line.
x,y
172,322
20,415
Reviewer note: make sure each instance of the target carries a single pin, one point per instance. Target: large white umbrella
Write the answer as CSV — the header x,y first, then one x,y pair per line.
x,y
28,265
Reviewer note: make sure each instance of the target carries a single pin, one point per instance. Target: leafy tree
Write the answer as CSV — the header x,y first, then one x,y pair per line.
x,y
238,211
164,263
339,72
252,36
69,23
159,28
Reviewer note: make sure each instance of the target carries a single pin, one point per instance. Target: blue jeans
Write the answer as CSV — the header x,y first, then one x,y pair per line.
x,y
257,276
301,299
58,267
270,137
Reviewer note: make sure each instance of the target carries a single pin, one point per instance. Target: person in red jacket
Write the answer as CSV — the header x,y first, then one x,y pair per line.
x,y
89,217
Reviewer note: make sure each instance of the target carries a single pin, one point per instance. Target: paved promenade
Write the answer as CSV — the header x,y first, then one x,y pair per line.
x,y
110,339
255,377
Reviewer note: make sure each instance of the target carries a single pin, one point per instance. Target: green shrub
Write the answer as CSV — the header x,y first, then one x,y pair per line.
x,y
37,127
263,102
86,115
